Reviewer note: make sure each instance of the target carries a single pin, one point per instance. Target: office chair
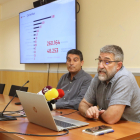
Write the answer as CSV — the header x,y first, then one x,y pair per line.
x,y
14,88
2,86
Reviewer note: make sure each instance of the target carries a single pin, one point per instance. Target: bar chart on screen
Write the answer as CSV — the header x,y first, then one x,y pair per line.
x,y
47,32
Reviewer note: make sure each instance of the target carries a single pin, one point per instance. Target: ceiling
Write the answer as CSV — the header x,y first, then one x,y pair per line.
x,y
3,1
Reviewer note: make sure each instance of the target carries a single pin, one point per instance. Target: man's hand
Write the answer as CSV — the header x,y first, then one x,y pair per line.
x,y
101,112
93,112
112,115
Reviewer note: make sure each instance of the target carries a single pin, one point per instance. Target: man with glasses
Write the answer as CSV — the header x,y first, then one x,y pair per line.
x,y
113,93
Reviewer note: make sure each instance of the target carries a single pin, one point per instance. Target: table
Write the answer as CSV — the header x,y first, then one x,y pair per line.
x,y
123,130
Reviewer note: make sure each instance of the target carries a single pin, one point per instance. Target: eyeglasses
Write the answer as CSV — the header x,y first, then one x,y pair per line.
x,y
105,62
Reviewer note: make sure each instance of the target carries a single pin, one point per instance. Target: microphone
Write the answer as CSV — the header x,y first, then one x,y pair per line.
x,y
44,90
52,95
8,118
61,94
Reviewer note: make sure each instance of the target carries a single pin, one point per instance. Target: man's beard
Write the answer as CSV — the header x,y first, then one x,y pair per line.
x,y
107,76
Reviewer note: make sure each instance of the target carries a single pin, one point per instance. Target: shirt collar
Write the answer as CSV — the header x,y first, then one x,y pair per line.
x,y
77,76
116,75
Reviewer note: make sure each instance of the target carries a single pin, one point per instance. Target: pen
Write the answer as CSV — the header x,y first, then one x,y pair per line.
x,y
109,131
99,134
102,133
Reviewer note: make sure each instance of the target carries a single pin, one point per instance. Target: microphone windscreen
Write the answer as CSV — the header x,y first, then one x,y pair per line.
x,y
51,94
61,93
46,89
40,93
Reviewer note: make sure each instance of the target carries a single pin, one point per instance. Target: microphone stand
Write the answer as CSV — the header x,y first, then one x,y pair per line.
x,y
8,118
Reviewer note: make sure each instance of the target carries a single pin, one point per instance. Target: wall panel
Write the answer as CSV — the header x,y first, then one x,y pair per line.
x,y
38,80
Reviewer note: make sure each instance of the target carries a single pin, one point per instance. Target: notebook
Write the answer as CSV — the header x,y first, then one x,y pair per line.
x,y
38,112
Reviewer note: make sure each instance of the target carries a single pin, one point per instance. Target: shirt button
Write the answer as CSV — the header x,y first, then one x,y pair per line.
x,y
67,90
64,98
70,82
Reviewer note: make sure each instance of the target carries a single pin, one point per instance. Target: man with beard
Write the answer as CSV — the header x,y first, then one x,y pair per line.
x,y
113,93
75,83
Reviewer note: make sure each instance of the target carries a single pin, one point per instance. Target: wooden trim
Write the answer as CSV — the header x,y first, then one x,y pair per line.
x,y
38,80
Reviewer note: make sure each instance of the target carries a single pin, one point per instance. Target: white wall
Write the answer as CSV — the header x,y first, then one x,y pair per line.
x,y
99,22
12,8
105,22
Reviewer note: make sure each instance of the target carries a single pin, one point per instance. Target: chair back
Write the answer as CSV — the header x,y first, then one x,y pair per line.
x,y
14,88
2,86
